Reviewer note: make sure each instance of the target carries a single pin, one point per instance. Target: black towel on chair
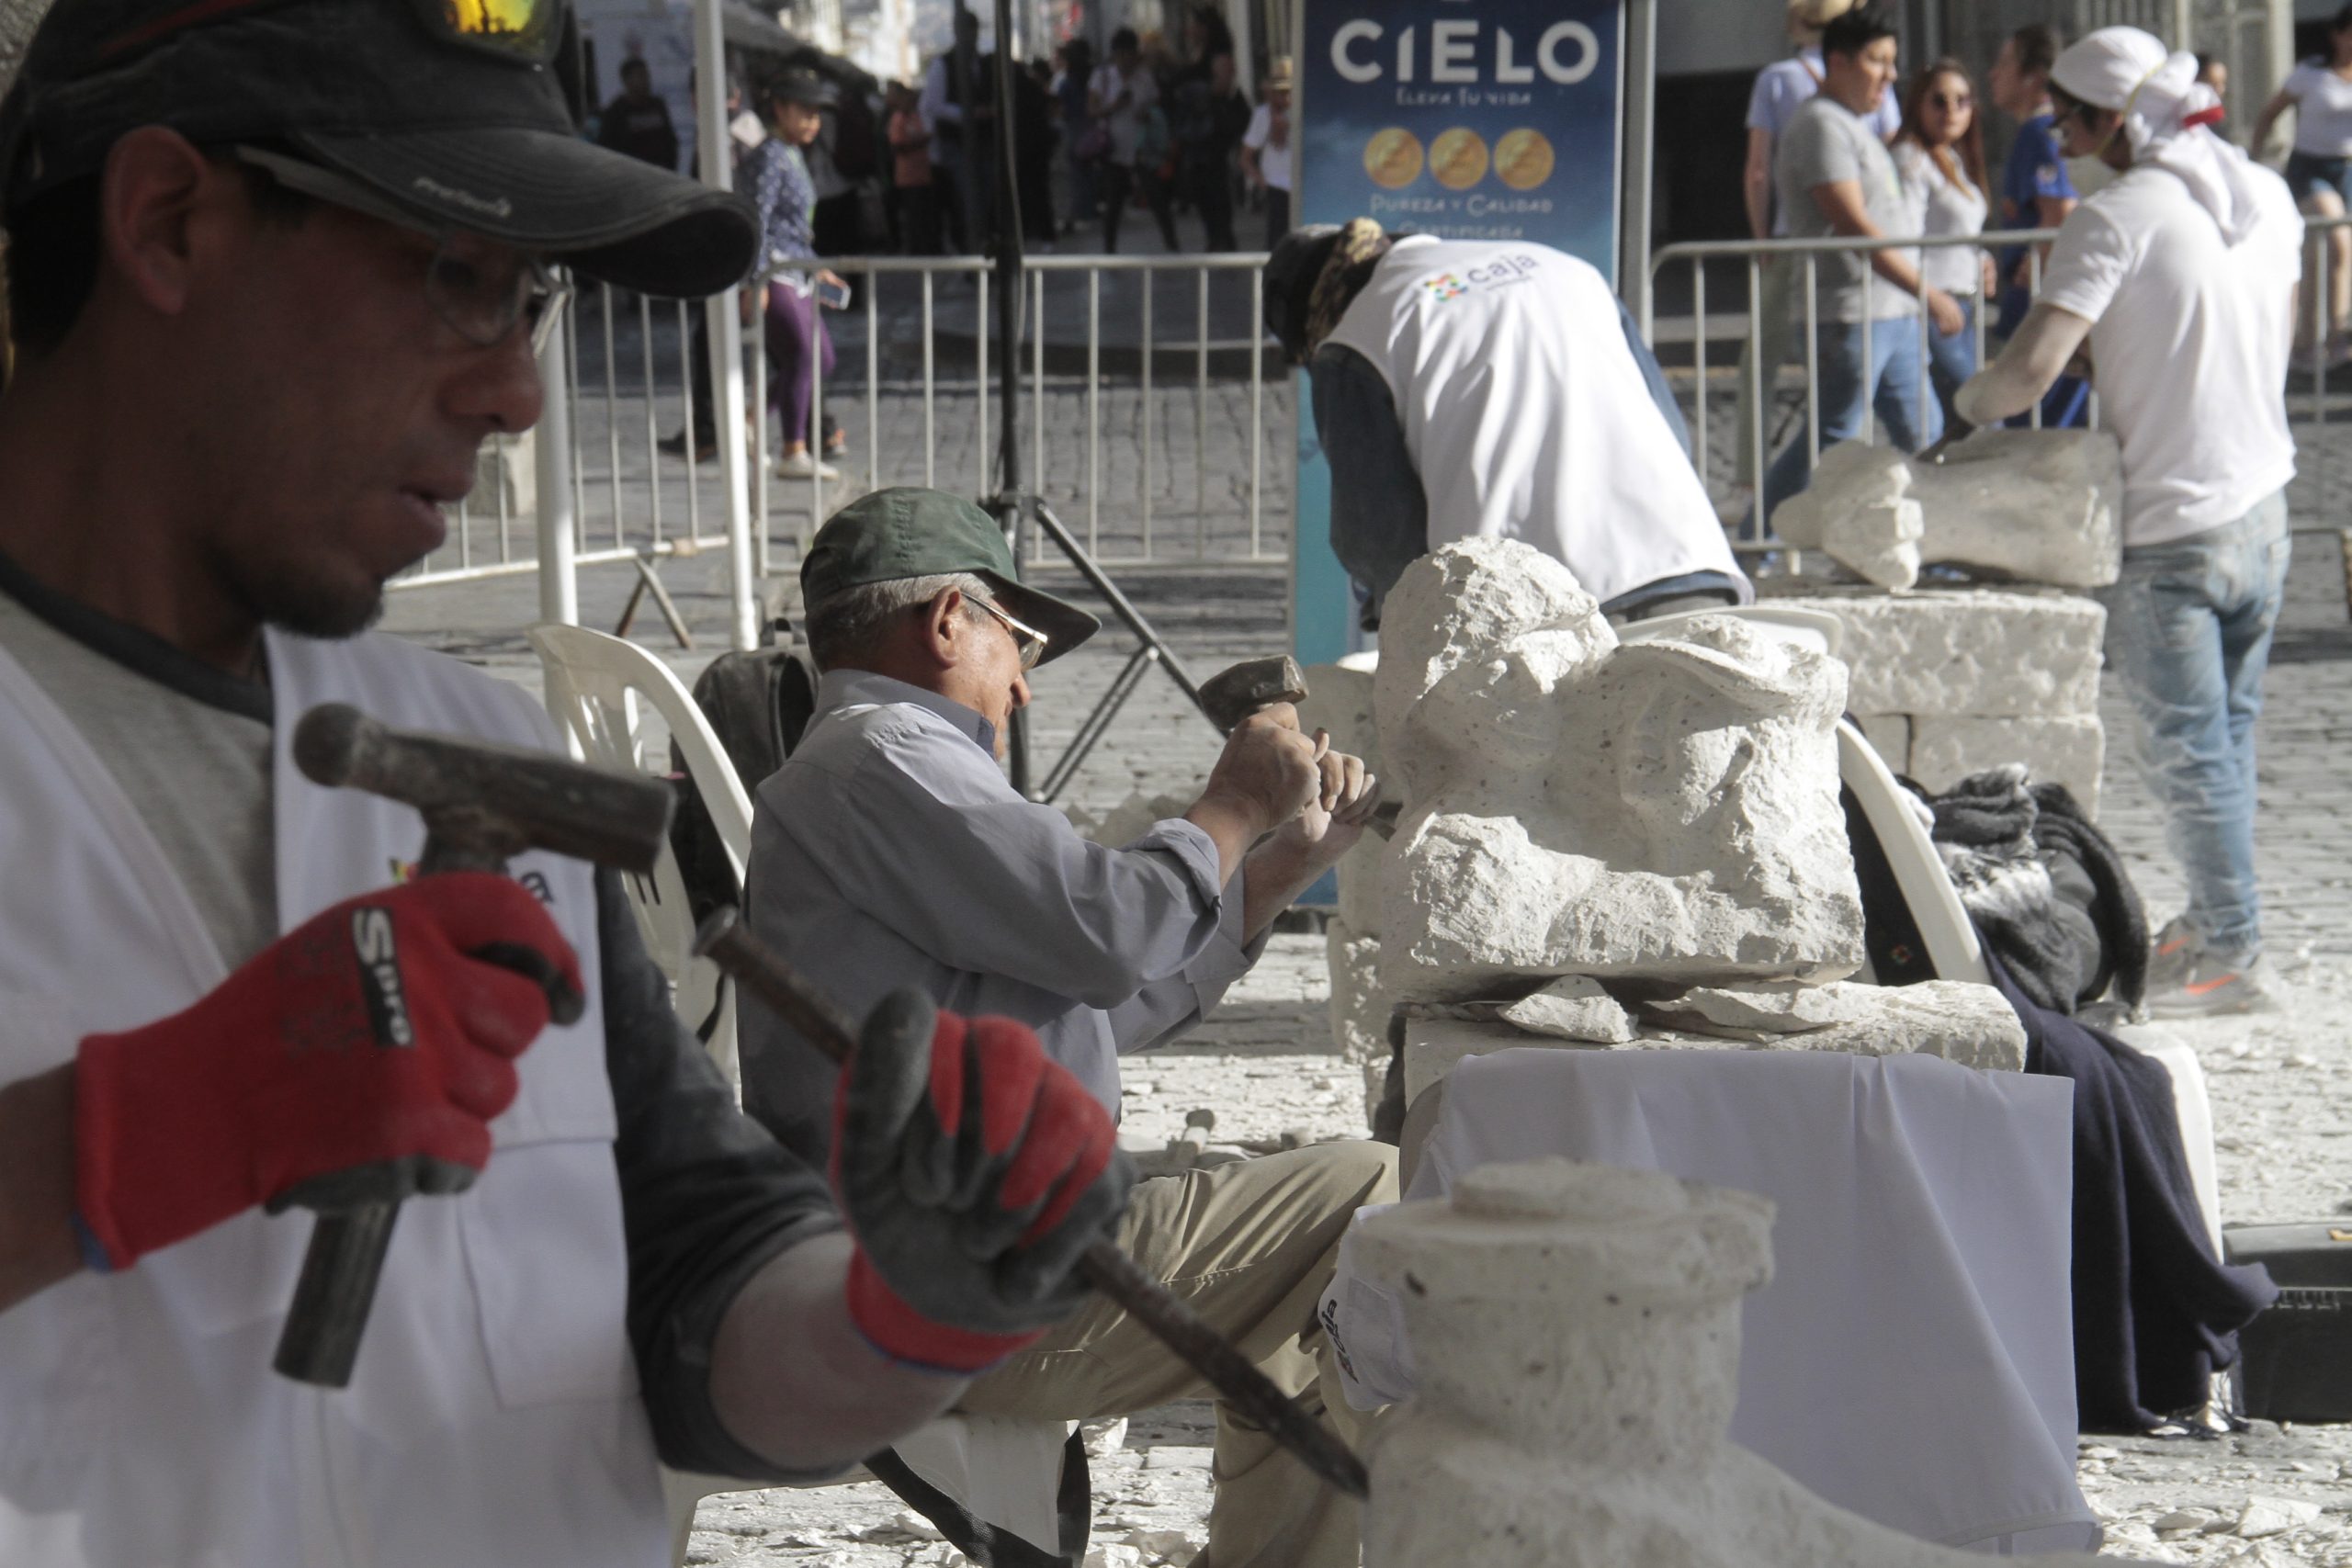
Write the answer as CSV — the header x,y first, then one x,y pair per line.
x,y
2155,1313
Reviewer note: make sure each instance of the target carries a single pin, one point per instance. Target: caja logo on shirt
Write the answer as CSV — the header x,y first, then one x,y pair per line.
x,y
1496,273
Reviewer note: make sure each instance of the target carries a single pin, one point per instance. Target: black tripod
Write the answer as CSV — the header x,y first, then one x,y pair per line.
x,y
1012,505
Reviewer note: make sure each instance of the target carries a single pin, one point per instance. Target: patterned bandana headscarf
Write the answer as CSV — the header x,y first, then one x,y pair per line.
x,y
1359,244
2166,112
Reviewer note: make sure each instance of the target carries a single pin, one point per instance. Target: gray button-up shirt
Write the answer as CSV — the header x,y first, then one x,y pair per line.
x,y
889,850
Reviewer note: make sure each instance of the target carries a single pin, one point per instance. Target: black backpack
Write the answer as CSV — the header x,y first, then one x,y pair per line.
x,y
758,704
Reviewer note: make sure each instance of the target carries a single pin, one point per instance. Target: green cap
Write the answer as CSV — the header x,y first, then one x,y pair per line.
x,y
907,531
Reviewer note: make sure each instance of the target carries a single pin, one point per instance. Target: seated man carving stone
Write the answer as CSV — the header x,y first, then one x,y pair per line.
x,y
890,850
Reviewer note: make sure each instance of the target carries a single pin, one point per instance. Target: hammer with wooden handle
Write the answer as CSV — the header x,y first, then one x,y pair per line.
x,y
727,942
1232,694
483,803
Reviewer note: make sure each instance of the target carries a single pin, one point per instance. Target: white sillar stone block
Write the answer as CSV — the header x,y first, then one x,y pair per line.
x,y
1890,736
1435,1046
1572,1007
1575,1335
2031,505
2068,750
1968,651
1963,1022
1581,808
1338,699
1358,1009
1858,506
2039,505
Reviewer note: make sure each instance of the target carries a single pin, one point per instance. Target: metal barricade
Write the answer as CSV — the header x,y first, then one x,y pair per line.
x,y
1164,469
2319,393
1769,386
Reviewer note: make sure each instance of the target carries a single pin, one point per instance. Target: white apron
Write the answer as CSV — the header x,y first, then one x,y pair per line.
x,y
492,1418
1526,414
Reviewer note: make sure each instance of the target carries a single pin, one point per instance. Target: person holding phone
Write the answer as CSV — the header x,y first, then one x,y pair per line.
x,y
777,177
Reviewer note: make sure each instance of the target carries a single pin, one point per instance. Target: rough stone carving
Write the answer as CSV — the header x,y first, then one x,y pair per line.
x,y
1576,1336
1572,1007
2068,749
1358,1009
1960,1022
1859,507
1338,699
1978,651
2033,505
1664,808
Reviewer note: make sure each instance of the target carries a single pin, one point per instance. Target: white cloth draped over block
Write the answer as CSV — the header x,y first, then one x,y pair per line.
x,y
1913,1358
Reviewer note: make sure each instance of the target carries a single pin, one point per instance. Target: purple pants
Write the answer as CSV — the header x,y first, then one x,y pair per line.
x,y
794,332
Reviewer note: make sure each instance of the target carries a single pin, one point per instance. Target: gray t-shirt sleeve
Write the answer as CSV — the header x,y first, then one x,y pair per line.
x,y
1817,150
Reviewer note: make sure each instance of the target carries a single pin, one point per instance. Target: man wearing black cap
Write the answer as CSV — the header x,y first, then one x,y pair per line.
x,y
278,269
890,850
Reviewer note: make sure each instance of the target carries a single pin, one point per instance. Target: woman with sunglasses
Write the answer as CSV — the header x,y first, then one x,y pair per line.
x,y
1940,152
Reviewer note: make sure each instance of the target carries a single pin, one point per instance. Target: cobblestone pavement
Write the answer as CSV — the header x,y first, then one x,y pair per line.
x,y
2279,1086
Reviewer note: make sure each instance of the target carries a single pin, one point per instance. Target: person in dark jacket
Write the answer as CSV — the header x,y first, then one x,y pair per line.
x,y
1211,117
638,121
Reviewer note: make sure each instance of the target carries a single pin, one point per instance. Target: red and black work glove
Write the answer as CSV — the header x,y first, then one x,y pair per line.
x,y
974,1171
359,1059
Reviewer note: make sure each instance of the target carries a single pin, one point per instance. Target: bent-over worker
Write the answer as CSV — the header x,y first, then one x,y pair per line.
x,y
2178,282
1496,389
277,272
890,850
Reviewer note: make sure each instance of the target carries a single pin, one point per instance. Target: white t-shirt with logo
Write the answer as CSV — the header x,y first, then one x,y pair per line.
x,y
1526,414
2323,110
2189,345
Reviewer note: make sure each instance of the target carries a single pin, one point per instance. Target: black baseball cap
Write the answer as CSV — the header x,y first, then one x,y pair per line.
x,y
907,531
452,109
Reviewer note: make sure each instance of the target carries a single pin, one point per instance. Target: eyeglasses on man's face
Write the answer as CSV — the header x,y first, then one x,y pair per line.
x,y
1027,639
481,288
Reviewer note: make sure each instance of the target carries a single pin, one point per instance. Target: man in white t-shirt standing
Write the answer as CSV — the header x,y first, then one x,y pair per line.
x,y
1836,178
2179,282
1265,151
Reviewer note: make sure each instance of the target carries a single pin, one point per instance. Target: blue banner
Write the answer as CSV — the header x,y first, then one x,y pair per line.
x,y
1471,119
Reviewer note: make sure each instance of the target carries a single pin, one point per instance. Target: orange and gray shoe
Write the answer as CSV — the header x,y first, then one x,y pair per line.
x,y
2187,980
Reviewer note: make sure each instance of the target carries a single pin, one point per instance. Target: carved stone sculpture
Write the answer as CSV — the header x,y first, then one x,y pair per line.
x,y
1575,1331
2032,505
1579,807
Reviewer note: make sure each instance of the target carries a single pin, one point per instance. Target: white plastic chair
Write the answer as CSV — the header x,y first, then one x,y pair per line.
x,y
1007,1471
597,687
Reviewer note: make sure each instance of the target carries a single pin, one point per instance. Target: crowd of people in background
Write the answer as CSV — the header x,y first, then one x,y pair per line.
x,y
908,167
1840,145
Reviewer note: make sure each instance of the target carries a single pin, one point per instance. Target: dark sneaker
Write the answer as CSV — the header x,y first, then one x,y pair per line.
x,y
704,449
2172,956
2214,985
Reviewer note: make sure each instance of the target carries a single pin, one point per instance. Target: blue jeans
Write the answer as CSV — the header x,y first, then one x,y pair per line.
x,y
1953,360
2189,629
1846,390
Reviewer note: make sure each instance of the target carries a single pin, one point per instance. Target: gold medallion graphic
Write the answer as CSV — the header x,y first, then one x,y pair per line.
x,y
1458,158
1393,157
1523,159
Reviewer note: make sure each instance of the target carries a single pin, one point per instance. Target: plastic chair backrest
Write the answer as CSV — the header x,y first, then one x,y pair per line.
x,y
597,687
1919,870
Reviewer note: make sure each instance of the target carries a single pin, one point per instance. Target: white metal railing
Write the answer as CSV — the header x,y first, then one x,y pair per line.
x,y
1158,469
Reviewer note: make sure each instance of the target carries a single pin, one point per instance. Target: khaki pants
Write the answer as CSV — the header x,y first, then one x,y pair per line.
x,y
1249,1247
